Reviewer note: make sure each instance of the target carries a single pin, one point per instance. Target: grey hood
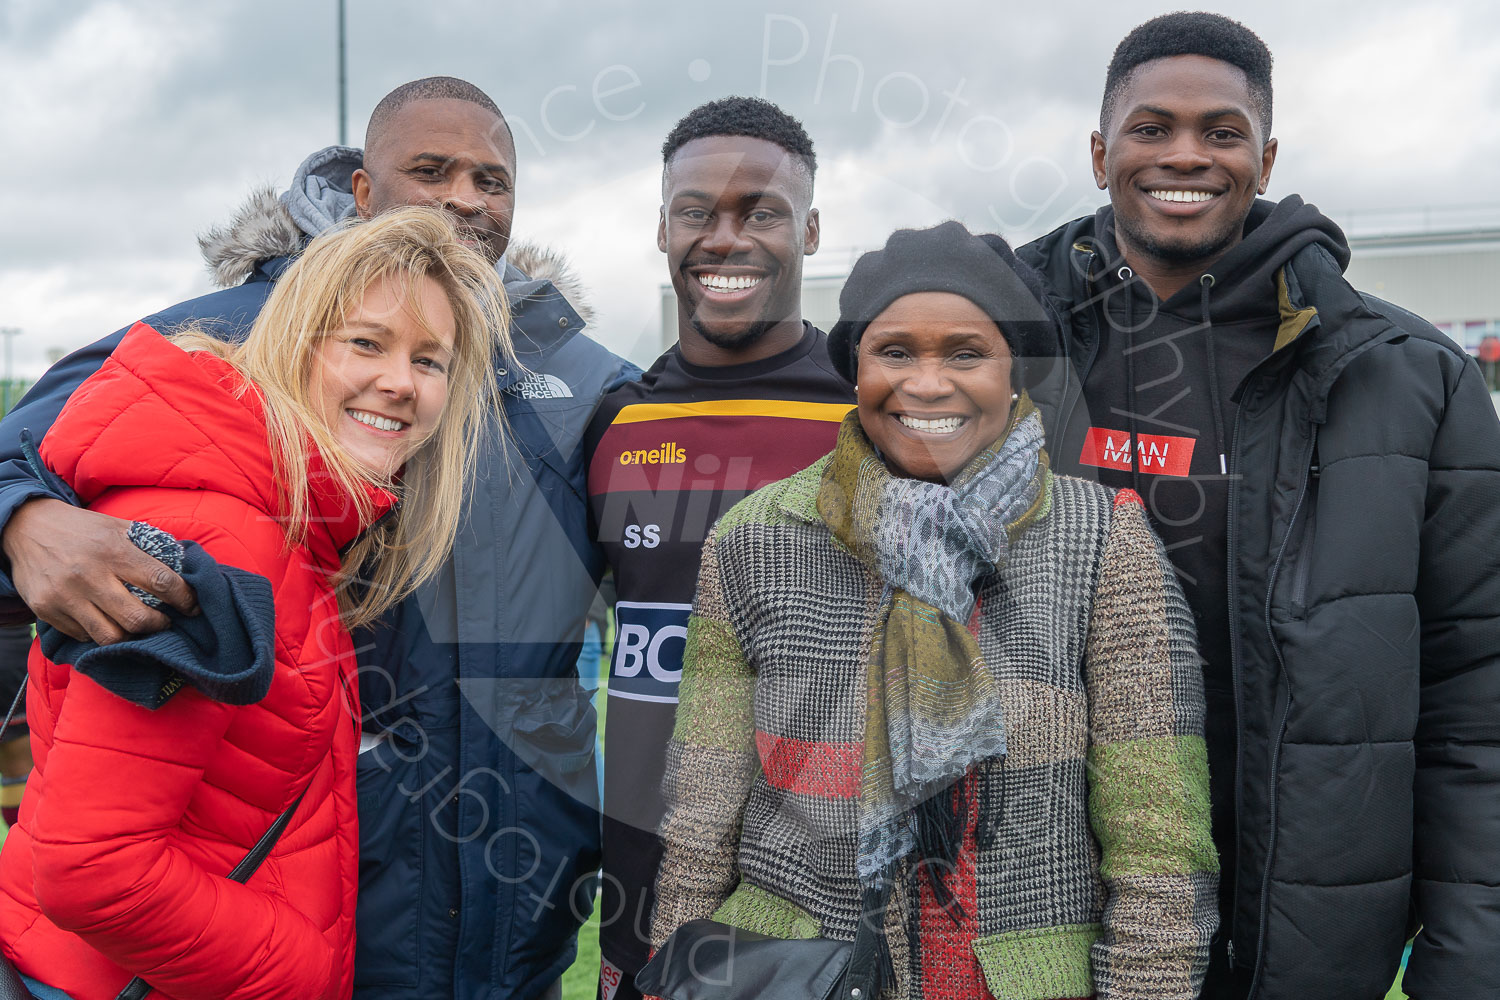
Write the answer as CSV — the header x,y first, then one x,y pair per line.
x,y
322,191
268,225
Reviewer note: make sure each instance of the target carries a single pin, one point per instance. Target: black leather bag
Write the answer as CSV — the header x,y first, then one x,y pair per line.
x,y
704,958
11,987
708,960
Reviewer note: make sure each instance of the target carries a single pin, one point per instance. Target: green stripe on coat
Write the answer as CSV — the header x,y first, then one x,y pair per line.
x,y
1150,803
751,908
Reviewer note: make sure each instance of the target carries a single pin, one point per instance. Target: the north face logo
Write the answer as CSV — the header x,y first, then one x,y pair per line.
x,y
540,386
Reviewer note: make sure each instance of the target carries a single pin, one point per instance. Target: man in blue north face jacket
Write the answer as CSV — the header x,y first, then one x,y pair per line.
x,y
479,836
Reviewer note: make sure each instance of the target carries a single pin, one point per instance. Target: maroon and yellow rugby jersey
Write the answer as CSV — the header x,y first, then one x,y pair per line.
x,y
668,455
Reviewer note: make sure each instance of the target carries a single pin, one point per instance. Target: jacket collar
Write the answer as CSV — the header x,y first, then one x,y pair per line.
x,y
1325,323
799,495
541,322
342,521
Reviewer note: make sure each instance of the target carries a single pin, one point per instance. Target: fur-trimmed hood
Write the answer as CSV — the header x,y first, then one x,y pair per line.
x,y
260,230
269,225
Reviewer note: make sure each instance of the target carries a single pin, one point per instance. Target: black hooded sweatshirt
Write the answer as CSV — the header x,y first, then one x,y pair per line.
x,y
1167,375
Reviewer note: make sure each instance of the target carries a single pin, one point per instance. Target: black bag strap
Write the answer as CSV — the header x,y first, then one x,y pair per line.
x,y
257,854
869,960
137,988
14,704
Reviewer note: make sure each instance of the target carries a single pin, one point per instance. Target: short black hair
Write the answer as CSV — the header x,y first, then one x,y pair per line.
x,y
429,88
1192,33
747,116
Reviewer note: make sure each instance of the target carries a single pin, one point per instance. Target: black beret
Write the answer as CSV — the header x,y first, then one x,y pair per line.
x,y
949,258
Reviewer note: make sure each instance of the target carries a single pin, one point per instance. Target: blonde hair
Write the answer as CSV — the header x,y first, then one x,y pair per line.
x,y
314,297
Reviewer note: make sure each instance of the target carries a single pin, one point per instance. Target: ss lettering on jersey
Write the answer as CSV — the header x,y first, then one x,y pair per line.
x,y
649,642
642,536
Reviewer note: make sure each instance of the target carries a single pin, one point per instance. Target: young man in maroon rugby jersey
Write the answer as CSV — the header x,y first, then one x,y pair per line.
x,y
747,396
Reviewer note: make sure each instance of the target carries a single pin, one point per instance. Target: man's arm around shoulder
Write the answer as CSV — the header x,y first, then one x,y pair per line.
x,y
60,563
36,412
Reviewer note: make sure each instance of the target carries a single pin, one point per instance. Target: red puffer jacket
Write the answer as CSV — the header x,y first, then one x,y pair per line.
x,y
132,818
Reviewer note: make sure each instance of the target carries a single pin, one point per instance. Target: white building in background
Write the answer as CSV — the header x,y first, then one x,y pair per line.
x,y
1451,279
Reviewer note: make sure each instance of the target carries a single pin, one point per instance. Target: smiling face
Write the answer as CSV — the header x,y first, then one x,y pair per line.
x,y
736,221
448,154
934,384
380,380
1183,163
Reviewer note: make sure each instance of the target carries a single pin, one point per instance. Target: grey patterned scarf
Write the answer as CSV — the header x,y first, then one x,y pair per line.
x,y
933,709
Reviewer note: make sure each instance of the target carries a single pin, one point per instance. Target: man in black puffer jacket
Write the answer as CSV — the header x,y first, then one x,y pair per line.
x,y
1324,468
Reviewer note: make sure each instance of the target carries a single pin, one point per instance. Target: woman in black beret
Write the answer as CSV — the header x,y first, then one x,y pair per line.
x,y
937,700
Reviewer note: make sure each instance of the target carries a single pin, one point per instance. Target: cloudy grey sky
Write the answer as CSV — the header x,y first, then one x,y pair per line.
x,y
132,126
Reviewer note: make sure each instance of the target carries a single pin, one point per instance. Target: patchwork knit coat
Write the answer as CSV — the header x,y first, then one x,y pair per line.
x,y
1102,877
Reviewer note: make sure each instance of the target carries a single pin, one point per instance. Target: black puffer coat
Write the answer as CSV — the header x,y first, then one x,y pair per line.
x,y
1364,589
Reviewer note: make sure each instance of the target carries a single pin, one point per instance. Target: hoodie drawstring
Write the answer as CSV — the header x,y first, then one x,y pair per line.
x,y
1206,283
1125,274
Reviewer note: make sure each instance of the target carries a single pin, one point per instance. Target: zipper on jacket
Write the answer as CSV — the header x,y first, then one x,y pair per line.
x,y
1231,545
390,512
1283,711
1304,564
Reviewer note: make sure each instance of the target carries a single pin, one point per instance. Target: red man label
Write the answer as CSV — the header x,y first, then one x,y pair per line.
x,y
1158,454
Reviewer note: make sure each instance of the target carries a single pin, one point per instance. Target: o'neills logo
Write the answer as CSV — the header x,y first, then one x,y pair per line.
x,y
1159,454
670,453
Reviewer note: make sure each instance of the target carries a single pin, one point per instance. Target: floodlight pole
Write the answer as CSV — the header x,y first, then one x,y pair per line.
x,y
343,80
